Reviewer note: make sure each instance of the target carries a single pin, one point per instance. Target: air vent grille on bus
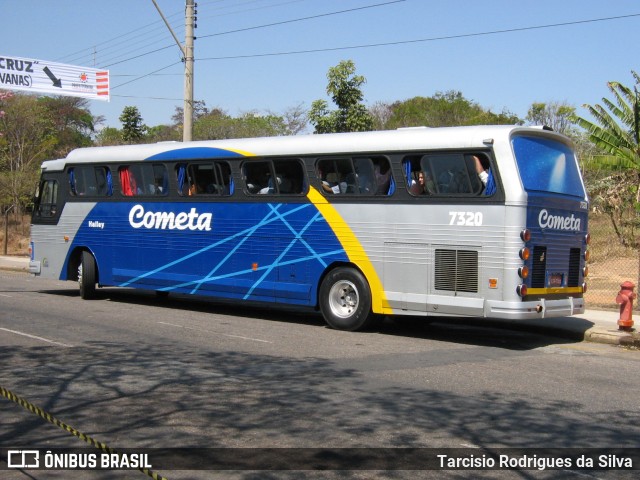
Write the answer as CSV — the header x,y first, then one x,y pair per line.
x,y
539,269
456,270
574,267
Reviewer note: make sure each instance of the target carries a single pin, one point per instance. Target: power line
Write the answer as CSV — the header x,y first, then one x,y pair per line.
x,y
370,45
125,40
312,17
250,28
141,55
149,98
431,39
256,27
145,75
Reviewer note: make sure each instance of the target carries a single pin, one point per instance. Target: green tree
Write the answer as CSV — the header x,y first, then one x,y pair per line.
x,y
218,124
444,109
557,115
295,119
615,131
133,128
344,89
163,133
72,121
108,136
28,138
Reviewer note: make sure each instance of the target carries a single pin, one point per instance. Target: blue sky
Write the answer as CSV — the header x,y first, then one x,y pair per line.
x,y
439,45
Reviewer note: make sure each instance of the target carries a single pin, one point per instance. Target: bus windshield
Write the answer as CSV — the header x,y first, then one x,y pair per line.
x,y
546,165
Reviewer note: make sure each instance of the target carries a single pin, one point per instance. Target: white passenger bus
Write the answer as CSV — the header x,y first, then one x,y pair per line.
x,y
487,221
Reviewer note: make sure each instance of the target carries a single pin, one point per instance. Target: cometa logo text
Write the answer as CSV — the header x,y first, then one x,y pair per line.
x,y
139,218
557,222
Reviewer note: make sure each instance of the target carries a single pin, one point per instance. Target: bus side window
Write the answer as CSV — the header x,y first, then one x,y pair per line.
x,y
104,181
93,181
330,181
337,175
128,183
258,177
47,200
224,180
205,179
449,172
384,182
160,183
184,183
289,175
357,175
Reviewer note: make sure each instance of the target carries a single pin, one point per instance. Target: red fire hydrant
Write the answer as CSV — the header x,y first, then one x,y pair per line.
x,y
625,298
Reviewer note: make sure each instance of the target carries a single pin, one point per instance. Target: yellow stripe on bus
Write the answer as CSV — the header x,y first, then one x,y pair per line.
x,y
244,153
552,290
353,248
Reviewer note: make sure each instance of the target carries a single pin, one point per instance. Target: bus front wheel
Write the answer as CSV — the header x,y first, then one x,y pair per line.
x,y
345,300
87,276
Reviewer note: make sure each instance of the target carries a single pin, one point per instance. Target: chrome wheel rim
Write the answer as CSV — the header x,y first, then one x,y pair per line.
x,y
343,299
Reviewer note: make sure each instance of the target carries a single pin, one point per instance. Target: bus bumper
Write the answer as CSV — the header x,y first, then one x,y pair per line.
x,y
34,267
540,308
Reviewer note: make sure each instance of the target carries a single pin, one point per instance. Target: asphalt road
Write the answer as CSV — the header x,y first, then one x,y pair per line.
x,y
135,371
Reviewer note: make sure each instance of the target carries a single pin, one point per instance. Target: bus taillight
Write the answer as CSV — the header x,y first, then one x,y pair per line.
x,y
525,235
524,253
521,290
523,272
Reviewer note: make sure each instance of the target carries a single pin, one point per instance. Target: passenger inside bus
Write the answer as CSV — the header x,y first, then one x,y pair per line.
x,y
483,169
424,185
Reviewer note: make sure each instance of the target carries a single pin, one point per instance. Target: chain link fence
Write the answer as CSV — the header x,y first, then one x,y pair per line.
x,y
610,264
612,191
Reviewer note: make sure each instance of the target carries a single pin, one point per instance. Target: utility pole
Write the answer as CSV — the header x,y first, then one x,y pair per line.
x,y
188,71
188,59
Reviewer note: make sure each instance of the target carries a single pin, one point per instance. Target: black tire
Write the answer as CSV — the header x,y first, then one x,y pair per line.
x,y
345,300
87,276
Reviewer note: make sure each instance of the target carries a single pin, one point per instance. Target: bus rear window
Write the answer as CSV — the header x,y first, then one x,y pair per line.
x,y
546,165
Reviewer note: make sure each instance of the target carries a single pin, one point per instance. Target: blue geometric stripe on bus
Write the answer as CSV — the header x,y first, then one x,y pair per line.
x,y
252,249
194,153
245,235
212,279
274,210
298,236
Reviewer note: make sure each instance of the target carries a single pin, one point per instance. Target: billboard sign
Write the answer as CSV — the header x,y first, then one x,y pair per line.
x,y
42,76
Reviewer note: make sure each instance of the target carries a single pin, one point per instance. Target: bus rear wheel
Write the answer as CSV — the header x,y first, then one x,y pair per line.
x,y
345,300
87,276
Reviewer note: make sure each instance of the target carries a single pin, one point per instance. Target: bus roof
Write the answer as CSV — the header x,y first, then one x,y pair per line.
x,y
405,139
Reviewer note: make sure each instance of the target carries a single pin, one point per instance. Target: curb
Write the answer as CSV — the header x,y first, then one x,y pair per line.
x,y
14,263
613,337
14,269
